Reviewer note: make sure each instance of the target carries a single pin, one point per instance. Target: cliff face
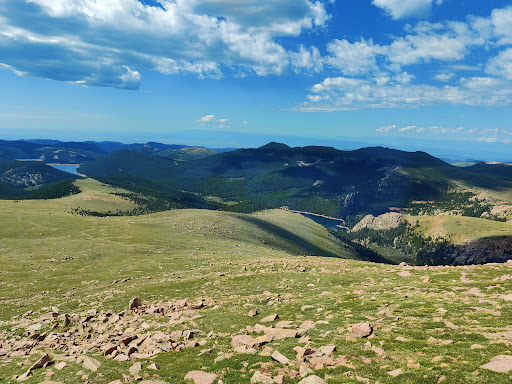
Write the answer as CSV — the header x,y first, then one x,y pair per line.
x,y
485,250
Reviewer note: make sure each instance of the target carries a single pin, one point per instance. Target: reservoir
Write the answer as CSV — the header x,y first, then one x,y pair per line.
x,y
335,224
69,168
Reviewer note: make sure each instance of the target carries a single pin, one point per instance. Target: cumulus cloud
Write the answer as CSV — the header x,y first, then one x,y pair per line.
x,y
353,58
373,76
449,41
501,65
342,93
106,43
399,9
502,23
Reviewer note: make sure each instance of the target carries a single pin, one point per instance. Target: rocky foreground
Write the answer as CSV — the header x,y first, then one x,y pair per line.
x,y
323,321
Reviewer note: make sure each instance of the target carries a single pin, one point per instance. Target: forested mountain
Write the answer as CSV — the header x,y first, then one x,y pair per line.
x,y
19,178
317,179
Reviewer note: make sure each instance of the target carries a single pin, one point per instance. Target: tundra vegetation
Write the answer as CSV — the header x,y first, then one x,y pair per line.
x,y
211,296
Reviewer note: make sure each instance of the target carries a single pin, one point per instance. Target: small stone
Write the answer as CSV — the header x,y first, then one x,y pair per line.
x,y
477,346
61,365
154,367
405,274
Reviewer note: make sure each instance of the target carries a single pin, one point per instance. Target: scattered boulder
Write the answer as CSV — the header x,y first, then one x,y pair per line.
x,y
253,312
327,349
60,365
500,363
134,303
270,318
280,358
313,379
89,363
395,372
280,333
259,377
41,363
200,377
135,369
245,341
361,330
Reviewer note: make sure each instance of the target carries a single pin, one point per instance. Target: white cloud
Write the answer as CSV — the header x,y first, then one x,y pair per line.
x,y
353,58
449,41
501,65
206,119
342,93
444,77
502,23
213,122
399,9
307,58
106,43
404,78
388,128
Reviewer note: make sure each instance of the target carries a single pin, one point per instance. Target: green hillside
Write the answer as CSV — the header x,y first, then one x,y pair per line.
x,y
198,273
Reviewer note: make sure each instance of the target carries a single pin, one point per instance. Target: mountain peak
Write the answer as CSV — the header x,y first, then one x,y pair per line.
x,y
274,146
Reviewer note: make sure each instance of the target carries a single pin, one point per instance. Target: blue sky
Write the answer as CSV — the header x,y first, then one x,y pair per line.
x,y
129,69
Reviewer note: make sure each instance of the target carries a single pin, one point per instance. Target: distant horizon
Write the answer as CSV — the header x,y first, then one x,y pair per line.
x,y
442,149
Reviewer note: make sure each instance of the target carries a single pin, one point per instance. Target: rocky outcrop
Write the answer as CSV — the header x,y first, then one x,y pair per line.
x,y
386,221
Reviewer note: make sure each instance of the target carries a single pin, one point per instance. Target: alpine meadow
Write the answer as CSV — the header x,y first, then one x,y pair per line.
x,y
242,191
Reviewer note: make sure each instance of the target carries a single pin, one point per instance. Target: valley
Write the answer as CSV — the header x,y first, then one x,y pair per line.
x,y
236,284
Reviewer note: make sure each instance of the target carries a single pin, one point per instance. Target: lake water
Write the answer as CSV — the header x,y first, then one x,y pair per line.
x,y
328,223
69,168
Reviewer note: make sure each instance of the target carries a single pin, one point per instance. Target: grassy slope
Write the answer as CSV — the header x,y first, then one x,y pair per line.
x,y
460,229
106,249
181,254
